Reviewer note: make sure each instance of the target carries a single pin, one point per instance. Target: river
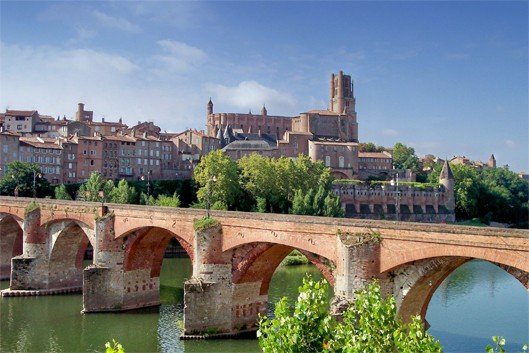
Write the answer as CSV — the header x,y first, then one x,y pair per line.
x,y
477,301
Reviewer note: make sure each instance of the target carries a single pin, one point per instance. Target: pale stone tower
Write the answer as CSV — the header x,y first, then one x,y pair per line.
x,y
446,178
492,161
342,100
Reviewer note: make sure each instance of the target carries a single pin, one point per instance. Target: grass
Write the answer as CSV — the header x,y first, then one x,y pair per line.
x,y
475,222
205,223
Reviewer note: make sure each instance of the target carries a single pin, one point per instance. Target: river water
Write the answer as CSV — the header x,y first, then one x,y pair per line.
x,y
477,301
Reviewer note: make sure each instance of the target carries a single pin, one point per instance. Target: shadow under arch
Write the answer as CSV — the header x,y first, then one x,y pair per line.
x,y
414,284
11,243
252,270
68,248
144,254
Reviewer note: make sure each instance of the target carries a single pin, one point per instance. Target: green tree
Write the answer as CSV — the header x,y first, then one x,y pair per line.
x,y
21,175
404,157
369,147
168,201
90,190
61,193
370,325
123,193
221,168
494,193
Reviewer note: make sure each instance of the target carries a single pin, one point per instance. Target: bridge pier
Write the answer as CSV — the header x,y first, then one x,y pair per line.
x,y
213,304
103,282
30,271
358,263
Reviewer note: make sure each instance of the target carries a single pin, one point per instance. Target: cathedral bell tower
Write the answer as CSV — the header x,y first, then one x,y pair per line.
x,y
342,100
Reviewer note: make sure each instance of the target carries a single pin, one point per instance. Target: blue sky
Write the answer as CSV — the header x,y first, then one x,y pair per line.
x,y
448,78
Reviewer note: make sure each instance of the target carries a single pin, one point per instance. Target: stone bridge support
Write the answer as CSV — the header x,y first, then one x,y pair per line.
x,y
358,263
103,282
208,295
10,245
29,271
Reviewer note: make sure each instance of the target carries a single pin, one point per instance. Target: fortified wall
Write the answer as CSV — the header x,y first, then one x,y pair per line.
x,y
432,204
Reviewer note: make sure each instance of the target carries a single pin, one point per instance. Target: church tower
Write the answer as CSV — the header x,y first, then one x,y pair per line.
x,y
210,107
342,100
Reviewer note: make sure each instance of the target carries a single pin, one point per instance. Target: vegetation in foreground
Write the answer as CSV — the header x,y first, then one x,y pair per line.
x,y
370,325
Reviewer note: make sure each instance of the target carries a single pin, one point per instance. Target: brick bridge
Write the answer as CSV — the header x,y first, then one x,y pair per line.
x,y
42,249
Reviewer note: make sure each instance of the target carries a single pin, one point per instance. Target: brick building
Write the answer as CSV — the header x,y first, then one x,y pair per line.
x,y
328,135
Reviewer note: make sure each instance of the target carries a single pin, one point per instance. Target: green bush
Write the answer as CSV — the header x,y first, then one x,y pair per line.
x,y
295,258
370,325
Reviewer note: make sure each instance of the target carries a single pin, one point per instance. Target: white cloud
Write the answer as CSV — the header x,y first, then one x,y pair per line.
x,y
53,80
178,57
390,132
116,22
84,33
251,94
510,143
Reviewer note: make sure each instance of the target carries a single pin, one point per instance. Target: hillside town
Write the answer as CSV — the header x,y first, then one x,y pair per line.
x,y
69,149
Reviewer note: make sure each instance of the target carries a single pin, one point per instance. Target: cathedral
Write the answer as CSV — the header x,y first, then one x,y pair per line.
x,y
330,135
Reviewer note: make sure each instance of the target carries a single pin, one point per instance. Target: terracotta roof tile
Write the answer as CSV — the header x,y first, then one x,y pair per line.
x,y
20,112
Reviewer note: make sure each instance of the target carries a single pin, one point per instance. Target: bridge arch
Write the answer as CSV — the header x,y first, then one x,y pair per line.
x,y
414,283
68,242
253,266
144,254
11,242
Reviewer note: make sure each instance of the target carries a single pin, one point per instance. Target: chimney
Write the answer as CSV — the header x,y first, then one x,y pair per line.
x,y
102,120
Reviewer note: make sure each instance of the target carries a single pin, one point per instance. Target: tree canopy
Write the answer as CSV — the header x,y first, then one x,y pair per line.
x,y
370,147
404,157
20,176
491,194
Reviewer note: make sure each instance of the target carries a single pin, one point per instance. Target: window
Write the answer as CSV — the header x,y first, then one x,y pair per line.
x,y
5,148
341,162
327,161
70,165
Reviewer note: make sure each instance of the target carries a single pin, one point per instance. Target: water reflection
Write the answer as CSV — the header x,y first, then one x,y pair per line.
x,y
479,300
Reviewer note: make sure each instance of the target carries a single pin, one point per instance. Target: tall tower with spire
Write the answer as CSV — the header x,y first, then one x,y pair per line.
x,y
210,107
342,99
446,178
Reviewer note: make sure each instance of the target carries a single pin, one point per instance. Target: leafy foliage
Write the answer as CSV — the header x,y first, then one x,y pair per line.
x,y
369,147
370,325
307,329
490,194
61,193
284,185
20,175
114,347
404,157
226,187
90,191
499,345
123,193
